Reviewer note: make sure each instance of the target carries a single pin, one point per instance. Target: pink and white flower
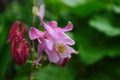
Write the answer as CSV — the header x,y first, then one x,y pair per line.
x,y
53,40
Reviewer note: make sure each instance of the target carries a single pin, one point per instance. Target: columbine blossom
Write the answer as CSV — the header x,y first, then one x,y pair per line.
x,y
61,51
54,40
19,44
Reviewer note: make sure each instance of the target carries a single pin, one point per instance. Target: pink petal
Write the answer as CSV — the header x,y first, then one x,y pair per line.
x,y
52,56
69,27
74,51
52,24
35,33
39,40
40,48
51,32
41,13
66,39
49,44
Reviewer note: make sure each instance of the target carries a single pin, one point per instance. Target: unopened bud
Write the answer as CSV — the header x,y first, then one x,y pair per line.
x,y
34,10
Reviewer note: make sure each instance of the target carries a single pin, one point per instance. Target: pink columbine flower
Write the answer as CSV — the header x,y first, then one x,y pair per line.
x,y
54,40
19,44
61,51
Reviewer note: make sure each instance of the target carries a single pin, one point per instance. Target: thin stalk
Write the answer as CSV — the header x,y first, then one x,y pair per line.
x,y
32,44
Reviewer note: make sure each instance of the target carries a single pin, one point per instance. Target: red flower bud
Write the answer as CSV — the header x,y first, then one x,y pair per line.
x,y
19,44
18,29
19,50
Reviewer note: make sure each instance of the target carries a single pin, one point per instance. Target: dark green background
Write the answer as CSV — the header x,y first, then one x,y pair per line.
x,y
96,32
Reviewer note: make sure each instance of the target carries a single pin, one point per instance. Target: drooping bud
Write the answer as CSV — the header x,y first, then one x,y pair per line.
x,y
19,45
18,29
20,50
34,10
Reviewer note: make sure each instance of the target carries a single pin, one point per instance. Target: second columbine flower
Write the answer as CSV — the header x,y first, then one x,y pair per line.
x,y
53,40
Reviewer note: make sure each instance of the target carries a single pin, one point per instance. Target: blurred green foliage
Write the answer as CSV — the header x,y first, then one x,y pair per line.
x,y
96,32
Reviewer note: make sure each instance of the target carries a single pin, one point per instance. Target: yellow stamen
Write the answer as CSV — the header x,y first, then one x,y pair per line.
x,y
61,48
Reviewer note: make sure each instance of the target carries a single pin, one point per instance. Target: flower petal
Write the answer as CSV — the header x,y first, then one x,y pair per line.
x,y
19,50
52,24
49,44
52,56
18,29
74,51
35,33
69,27
66,39
63,62
51,32
40,48
41,13
22,29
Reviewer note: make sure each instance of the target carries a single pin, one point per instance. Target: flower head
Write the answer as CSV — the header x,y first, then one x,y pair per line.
x,y
53,40
19,50
19,44
61,42
18,29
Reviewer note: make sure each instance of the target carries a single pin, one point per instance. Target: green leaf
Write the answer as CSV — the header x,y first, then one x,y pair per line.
x,y
93,46
116,9
90,7
103,25
73,3
53,73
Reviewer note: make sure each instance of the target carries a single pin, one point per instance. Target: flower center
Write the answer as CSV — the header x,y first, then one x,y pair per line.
x,y
61,48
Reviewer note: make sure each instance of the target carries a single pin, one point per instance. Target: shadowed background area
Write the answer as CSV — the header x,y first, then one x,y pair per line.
x,y
96,33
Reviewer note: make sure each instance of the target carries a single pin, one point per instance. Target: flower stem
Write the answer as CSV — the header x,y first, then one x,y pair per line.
x,y
32,43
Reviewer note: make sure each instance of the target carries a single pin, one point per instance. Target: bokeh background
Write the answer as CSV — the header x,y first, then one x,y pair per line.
x,y
96,32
